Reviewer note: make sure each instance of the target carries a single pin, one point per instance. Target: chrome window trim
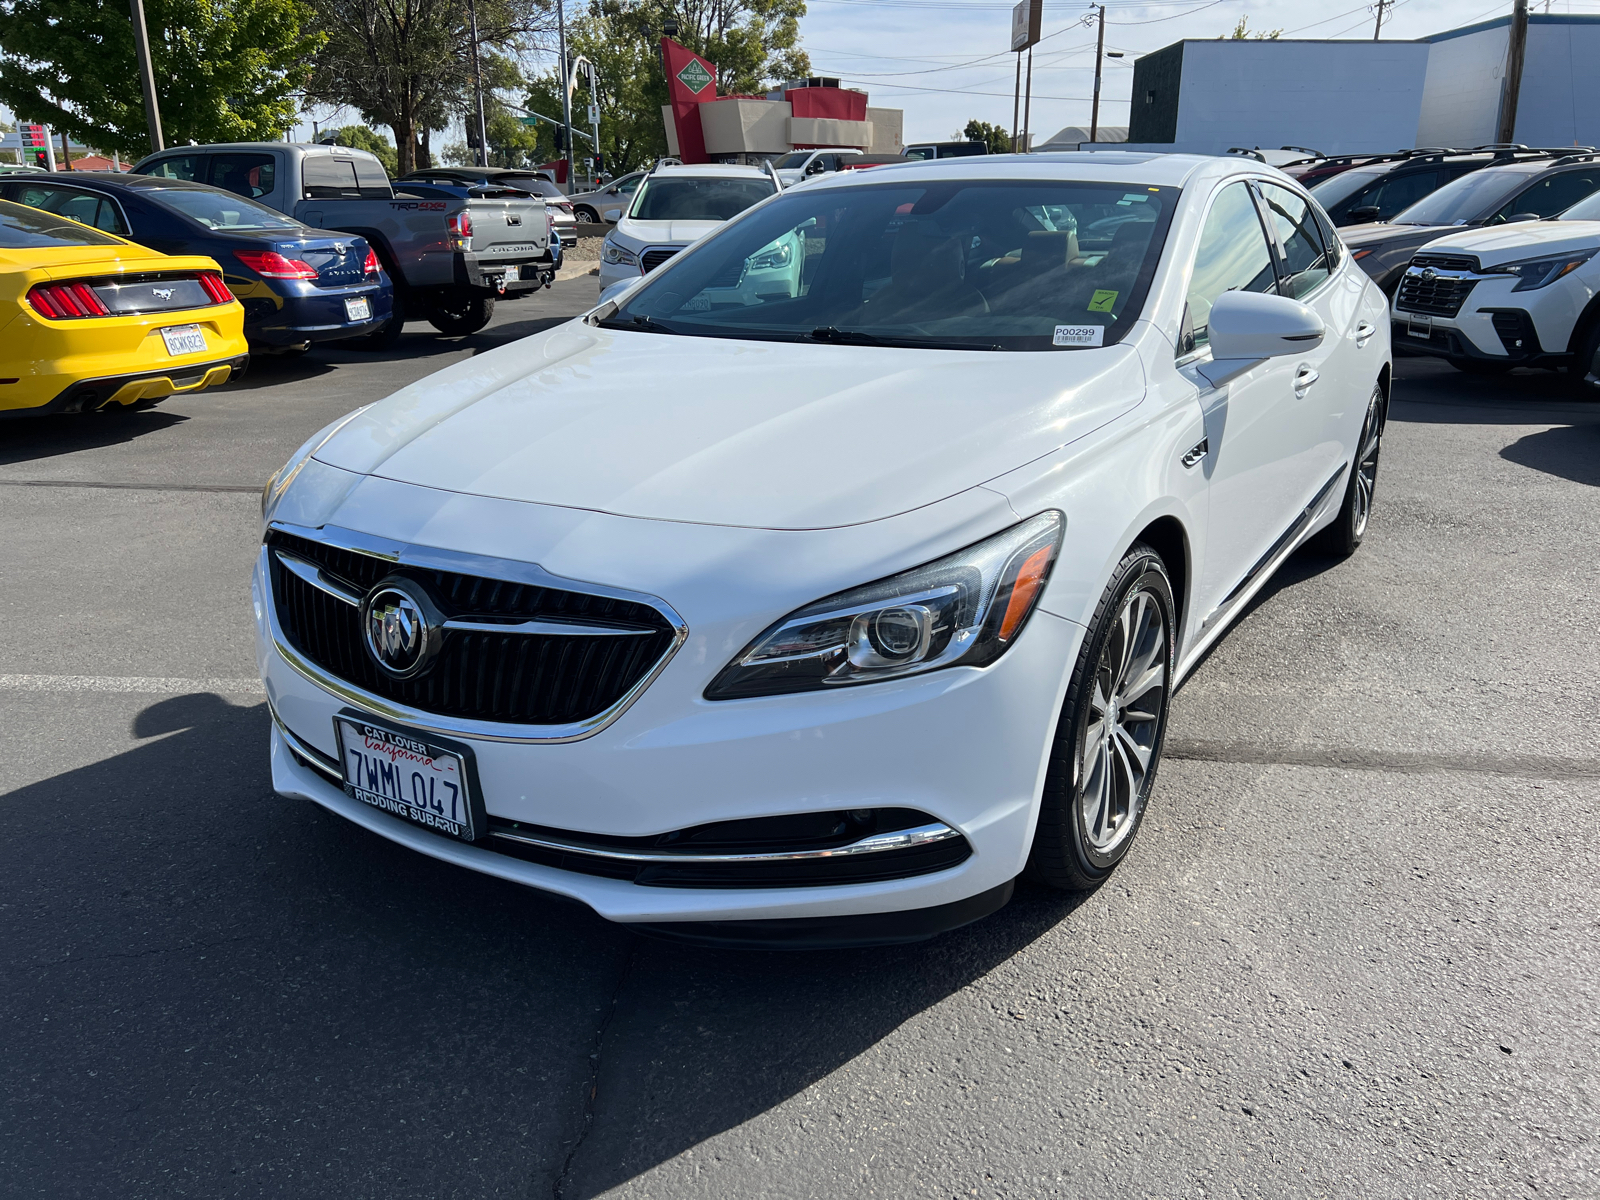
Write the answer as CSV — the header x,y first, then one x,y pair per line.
x,y
432,557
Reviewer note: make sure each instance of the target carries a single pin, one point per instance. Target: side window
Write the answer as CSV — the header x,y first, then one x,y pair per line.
x,y
1305,262
1330,236
247,175
630,185
328,178
1393,194
1232,256
1551,195
180,166
86,208
371,175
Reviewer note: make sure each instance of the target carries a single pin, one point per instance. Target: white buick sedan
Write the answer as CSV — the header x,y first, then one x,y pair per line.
x,y
823,619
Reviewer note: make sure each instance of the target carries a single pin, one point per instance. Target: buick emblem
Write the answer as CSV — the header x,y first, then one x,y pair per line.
x,y
401,627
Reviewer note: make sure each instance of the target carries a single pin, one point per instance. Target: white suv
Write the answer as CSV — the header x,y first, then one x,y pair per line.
x,y
1525,294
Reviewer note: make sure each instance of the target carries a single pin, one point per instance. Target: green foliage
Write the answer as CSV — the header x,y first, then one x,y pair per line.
x,y
1241,33
998,140
753,42
360,137
407,64
225,70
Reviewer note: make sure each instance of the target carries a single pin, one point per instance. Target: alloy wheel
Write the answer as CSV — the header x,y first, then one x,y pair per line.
x,y
1367,465
1124,721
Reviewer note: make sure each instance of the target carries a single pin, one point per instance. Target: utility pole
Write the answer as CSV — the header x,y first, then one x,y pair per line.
x,y
1027,109
566,90
141,46
1378,28
66,154
477,86
1016,107
1516,45
1099,60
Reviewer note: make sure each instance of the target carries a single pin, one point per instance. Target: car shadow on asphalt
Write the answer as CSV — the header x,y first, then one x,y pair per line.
x,y
26,439
1428,391
1570,451
211,980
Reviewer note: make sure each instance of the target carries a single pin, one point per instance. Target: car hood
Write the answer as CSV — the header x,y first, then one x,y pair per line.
x,y
665,233
1524,239
767,435
1377,232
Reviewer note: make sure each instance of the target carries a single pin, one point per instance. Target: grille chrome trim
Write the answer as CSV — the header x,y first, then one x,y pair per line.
x,y
317,577
878,843
433,558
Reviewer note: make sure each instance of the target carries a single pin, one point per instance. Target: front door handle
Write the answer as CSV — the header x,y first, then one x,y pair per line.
x,y
1303,379
1364,332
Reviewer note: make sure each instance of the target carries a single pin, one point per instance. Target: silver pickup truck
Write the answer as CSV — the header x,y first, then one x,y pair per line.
x,y
450,257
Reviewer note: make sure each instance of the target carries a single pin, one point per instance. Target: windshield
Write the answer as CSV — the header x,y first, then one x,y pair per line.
x,y
1331,192
792,161
24,228
691,199
1469,198
220,210
988,265
1584,210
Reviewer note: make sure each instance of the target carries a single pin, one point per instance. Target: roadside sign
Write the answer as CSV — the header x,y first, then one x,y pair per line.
x,y
696,78
1026,19
33,136
594,114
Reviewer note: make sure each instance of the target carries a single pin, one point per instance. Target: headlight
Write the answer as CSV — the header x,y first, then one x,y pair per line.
x,y
966,609
1534,273
776,256
278,483
617,256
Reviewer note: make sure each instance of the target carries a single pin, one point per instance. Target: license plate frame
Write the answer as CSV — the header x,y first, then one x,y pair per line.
x,y
428,805
357,308
1419,325
513,274
184,339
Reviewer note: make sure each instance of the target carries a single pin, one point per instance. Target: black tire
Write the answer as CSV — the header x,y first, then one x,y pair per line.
x,y
388,337
1583,361
586,215
458,312
1342,537
1478,366
1073,849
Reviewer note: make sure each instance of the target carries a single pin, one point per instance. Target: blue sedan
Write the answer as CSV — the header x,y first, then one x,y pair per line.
x,y
298,285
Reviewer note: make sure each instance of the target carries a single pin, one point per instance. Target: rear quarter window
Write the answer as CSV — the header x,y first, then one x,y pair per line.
x,y
330,177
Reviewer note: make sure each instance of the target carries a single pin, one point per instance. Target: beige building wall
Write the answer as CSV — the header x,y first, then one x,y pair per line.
x,y
823,131
746,126
888,130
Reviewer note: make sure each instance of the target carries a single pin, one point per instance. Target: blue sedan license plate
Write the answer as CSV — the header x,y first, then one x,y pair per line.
x,y
358,309
410,776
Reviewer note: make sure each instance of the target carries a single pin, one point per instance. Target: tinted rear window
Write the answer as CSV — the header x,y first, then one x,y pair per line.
x,y
328,177
23,228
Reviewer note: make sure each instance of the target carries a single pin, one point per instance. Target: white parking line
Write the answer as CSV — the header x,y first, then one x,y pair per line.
x,y
148,685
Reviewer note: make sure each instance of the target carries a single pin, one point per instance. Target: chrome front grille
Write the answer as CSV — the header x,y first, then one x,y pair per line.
x,y
654,258
1445,262
1426,289
505,665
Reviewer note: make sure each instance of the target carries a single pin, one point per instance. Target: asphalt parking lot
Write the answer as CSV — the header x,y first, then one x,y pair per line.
x,y
1355,953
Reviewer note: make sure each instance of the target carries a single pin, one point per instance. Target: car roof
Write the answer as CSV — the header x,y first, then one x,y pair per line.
x,y
142,183
712,170
1091,166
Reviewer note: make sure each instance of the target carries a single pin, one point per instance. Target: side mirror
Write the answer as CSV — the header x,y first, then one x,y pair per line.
x,y
1367,212
612,214
1516,218
1248,327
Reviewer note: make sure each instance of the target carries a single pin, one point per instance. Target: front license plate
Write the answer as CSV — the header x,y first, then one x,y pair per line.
x,y
512,275
359,309
184,339
1419,325
410,776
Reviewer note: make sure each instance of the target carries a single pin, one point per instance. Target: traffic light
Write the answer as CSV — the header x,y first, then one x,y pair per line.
x,y
599,162
40,159
561,137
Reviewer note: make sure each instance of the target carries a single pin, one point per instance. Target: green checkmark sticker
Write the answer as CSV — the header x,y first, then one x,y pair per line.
x,y
1102,301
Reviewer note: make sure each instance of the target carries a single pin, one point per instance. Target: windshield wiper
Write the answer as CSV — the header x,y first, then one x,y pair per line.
x,y
639,323
855,337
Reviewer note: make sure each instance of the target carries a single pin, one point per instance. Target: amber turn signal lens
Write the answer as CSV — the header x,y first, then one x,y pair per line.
x,y
1029,577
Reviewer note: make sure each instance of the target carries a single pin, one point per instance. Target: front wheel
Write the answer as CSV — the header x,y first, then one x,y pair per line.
x,y
586,215
1108,741
459,312
1350,526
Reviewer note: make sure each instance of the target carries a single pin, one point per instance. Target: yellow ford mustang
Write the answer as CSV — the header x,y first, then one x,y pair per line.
x,y
88,320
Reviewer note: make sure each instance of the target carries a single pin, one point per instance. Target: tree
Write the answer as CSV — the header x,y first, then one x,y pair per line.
x,y
224,71
754,43
359,137
1241,33
997,139
407,64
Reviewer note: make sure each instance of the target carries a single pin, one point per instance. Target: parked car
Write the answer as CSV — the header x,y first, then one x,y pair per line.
x,y
823,619
1523,190
449,259
1523,294
1311,171
1380,191
89,320
462,180
675,207
802,164
592,207
931,150
298,285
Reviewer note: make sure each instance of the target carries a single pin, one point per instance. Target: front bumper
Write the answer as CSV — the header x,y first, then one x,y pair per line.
x,y
1498,325
966,746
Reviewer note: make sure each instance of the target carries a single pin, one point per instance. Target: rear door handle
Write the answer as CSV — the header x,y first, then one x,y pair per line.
x,y
1303,379
1364,332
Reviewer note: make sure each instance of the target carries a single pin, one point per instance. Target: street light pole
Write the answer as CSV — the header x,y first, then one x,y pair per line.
x,y
477,86
566,90
141,47
1099,61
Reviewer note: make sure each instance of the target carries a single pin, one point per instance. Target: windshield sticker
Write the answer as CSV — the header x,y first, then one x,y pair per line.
x,y
1080,335
1102,301
1134,198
